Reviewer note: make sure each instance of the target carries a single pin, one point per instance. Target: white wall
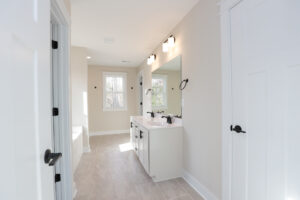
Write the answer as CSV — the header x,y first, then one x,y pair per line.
x,y
68,5
79,70
198,41
110,121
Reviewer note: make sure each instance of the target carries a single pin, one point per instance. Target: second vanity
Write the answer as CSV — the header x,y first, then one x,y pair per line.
x,y
158,145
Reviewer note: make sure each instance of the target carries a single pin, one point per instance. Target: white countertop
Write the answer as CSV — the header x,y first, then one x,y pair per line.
x,y
156,123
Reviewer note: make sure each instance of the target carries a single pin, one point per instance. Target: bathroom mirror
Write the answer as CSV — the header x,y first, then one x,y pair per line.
x,y
166,95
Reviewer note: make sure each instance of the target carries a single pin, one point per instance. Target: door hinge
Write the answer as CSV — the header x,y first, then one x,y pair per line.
x,y
54,44
55,111
141,83
141,103
141,134
57,178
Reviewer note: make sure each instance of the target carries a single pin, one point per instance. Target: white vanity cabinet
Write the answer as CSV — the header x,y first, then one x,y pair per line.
x,y
159,148
140,141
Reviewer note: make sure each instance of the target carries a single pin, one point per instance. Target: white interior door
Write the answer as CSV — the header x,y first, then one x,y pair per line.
x,y
25,100
265,43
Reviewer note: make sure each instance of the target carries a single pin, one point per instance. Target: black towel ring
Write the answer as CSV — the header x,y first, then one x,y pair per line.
x,y
183,84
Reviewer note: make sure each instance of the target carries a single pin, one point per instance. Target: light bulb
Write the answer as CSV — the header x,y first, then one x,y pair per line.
x,y
171,41
149,61
152,58
165,47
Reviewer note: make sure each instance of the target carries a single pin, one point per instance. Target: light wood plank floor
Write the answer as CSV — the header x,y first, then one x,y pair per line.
x,y
106,173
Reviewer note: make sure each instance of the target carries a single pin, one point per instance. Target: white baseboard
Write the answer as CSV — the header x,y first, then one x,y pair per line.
x,y
98,133
86,149
200,188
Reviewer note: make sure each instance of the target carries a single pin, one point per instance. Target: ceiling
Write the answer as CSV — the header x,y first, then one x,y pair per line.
x,y
124,32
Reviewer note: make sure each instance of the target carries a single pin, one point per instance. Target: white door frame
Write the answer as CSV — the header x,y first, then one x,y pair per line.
x,y
62,17
226,6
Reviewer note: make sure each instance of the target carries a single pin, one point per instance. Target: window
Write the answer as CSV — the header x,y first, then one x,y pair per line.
x,y
159,91
114,91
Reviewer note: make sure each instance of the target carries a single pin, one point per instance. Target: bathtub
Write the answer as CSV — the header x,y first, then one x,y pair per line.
x,y
77,146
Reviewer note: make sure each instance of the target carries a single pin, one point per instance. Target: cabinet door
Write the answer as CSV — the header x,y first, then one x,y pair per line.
x,y
141,146
146,151
136,139
132,134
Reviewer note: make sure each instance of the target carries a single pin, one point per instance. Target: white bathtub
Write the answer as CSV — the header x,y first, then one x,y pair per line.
x,y
77,145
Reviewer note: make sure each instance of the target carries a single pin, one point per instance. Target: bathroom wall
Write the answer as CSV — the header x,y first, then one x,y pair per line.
x,y
198,41
79,82
110,122
68,5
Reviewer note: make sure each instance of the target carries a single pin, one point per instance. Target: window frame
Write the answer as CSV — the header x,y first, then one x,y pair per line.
x,y
164,77
114,75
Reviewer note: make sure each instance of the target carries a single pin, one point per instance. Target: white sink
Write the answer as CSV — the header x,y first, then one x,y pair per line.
x,y
156,123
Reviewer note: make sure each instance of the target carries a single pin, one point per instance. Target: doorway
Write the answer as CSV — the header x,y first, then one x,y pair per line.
x,y
56,126
61,129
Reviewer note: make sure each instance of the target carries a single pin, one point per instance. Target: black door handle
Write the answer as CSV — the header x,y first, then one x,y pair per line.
x,y
237,129
51,158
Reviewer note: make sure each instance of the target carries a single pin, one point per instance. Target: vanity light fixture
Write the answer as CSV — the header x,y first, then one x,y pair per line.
x,y
165,46
168,44
151,59
171,41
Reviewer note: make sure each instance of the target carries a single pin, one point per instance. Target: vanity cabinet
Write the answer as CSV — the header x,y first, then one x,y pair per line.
x,y
159,149
140,141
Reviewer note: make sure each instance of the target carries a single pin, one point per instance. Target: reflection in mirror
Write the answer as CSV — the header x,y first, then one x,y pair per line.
x,y
166,95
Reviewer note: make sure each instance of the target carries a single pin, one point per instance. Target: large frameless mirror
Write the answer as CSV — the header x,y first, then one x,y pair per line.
x,y
166,95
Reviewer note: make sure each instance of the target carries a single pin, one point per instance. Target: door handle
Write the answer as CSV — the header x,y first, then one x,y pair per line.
x,y
237,129
51,158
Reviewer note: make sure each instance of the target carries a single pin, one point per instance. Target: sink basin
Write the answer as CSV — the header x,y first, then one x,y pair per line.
x,y
156,123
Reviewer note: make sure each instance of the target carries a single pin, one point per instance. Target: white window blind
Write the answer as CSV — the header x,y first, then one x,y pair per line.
x,y
114,91
159,91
